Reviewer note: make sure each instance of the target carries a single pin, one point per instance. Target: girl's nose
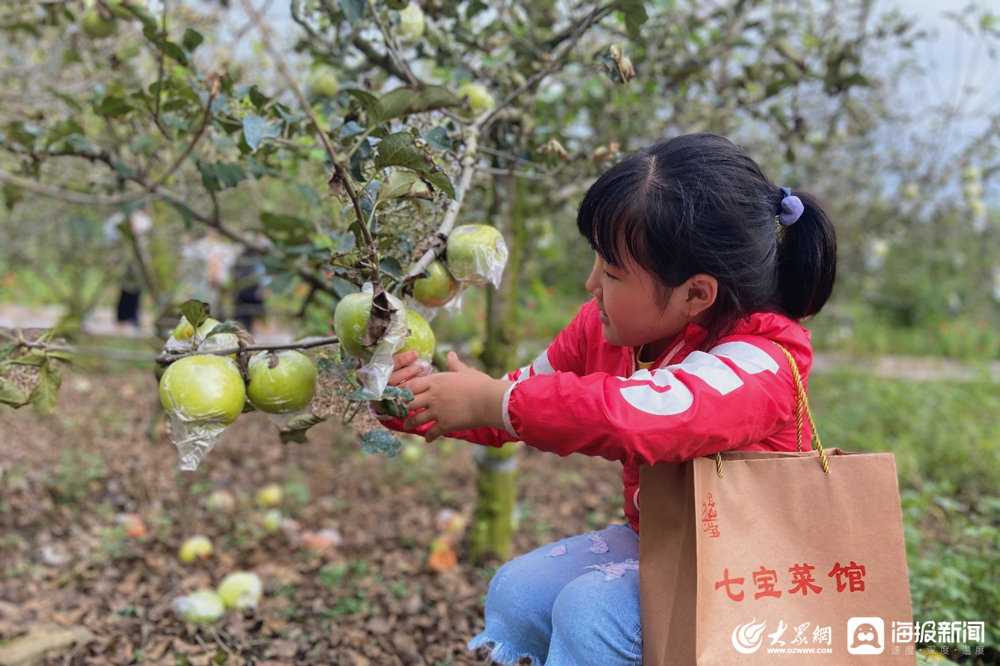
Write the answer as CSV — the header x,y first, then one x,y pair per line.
x,y
593,283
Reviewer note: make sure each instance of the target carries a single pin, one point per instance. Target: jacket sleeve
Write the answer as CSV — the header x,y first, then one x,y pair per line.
x,y
566,354
735,395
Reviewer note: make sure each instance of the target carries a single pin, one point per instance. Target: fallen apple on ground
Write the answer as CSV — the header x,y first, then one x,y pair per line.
x,y
241,590
196,548
201,607
270,495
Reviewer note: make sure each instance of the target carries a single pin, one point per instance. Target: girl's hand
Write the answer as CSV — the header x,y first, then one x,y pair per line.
x,y
458,400
405,366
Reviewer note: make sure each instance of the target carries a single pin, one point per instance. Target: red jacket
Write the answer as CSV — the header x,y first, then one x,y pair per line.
x,y
585,395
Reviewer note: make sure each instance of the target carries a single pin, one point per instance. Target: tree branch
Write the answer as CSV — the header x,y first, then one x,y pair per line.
x,y
341,174
163,357
390,45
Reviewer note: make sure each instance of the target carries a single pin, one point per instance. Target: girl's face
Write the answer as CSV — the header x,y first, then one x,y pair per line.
x,y
630,311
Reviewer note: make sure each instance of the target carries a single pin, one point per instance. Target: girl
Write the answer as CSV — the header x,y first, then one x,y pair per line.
x,y
703,268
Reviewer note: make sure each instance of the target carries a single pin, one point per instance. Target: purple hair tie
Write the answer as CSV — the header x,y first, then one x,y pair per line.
x,y
791,208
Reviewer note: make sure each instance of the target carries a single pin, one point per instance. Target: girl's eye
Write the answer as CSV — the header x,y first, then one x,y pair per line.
x,y
610,275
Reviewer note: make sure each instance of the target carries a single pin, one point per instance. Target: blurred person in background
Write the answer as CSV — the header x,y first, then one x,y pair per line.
x,y
139,225
249,281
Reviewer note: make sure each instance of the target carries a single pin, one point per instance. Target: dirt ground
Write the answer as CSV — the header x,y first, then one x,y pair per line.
x,y
64,560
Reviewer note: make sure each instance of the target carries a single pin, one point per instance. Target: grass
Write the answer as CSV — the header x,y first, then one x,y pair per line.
x,y
944,435
946,440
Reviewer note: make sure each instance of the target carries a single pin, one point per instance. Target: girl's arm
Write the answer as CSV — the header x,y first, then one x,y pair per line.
x,y
484,396
737,394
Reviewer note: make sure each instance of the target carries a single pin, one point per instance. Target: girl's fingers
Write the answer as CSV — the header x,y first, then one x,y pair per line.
x,y
454,364
418,384
404,359
406,372
420,401
414,421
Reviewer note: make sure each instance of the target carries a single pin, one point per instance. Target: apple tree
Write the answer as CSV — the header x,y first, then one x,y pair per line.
x,y
359,134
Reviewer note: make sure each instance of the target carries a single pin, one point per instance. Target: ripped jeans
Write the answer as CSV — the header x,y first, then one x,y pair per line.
x,y
571,603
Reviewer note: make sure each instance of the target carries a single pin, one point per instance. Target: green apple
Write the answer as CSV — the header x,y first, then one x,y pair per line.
x,y
281,382
97,27
412,453
202,607
411,24
480,98
196,548
272,520
350,320
437,288
473,250
241,590
184,330
421,338
221,501
321,81
270,495
203,388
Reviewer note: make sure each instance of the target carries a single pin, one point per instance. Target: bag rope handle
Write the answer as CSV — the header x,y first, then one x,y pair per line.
x,y
801,406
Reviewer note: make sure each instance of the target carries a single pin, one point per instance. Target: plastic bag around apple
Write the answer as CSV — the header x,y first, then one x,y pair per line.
x,y
476,254
373,375
202,395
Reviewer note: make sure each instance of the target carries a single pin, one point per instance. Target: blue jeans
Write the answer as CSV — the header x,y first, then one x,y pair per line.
x,y
571,603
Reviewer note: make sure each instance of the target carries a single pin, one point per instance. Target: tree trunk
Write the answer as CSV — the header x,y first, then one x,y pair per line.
x,y
494,520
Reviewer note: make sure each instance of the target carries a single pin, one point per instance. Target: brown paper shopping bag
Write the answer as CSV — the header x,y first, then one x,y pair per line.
x,y
784,558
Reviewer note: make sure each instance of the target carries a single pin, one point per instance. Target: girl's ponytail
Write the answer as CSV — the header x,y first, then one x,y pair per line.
x,y
807,257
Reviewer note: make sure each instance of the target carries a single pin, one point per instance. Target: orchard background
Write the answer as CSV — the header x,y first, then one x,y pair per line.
x,y
339,141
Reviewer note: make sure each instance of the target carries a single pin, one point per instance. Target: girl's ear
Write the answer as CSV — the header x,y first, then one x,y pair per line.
x,y
702,290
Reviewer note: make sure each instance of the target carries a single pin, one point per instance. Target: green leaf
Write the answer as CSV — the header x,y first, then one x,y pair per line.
x,y
287,229
634,14
256,129
192,39
440,180
404,185
186,214
11,195
368,100
195,311
224,327
112,106
11,395
145,17
295,430
176,52
353,10
404,101
438,138
380,440
45,395
34,358
221,175
399,149
62,130
257,98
